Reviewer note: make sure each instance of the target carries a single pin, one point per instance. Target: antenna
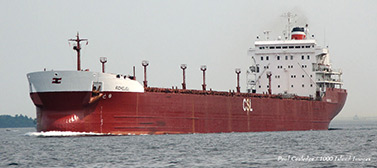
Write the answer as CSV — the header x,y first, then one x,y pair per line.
x,y
267,33
290,16
324,37
77,47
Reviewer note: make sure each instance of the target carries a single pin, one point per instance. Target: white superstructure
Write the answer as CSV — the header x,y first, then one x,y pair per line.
x,y
81,81
295,66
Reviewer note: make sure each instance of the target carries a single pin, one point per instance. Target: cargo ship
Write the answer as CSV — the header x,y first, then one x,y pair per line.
x,y
291,86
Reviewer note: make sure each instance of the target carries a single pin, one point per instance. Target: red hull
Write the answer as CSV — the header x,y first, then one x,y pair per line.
x,y
161,113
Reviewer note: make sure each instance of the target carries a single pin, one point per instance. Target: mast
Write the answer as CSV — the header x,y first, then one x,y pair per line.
x,y
77,47
290,16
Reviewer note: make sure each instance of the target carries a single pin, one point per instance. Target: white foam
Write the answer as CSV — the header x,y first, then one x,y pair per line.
x,y
63,134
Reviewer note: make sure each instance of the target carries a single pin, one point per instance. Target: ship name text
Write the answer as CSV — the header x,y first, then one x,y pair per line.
x,y
123,88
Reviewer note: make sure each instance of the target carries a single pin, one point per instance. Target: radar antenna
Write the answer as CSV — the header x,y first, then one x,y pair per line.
x,y
77,47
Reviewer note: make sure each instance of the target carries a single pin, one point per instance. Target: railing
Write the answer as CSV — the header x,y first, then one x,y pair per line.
x,y
219,93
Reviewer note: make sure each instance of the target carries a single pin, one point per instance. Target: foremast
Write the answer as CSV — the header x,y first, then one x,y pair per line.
x,y
77,48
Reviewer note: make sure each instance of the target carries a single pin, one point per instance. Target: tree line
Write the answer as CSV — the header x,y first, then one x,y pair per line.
x,y
8,121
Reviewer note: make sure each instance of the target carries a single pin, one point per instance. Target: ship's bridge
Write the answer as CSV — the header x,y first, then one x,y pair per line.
x,y
297,66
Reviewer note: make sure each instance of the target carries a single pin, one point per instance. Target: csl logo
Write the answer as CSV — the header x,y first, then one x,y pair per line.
x,y
247,105
56,80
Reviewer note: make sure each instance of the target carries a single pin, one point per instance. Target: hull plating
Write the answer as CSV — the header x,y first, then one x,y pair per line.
x,y
162,113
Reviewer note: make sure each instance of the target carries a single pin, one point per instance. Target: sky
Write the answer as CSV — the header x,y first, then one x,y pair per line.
x,y
217,33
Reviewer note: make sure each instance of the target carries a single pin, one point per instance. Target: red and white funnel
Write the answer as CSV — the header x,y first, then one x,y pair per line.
x,y
298,33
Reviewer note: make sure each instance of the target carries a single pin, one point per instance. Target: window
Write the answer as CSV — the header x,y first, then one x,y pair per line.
x,y
291,46
291,57
311,85
286,57
303,85
272,47
297,46
259,86
267,58
303,76
291,86
302,57
278,47
308,56
278,57
307,46
261,58
285,47
278,86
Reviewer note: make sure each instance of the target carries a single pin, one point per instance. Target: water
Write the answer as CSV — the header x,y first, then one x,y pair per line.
x,y
348,144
